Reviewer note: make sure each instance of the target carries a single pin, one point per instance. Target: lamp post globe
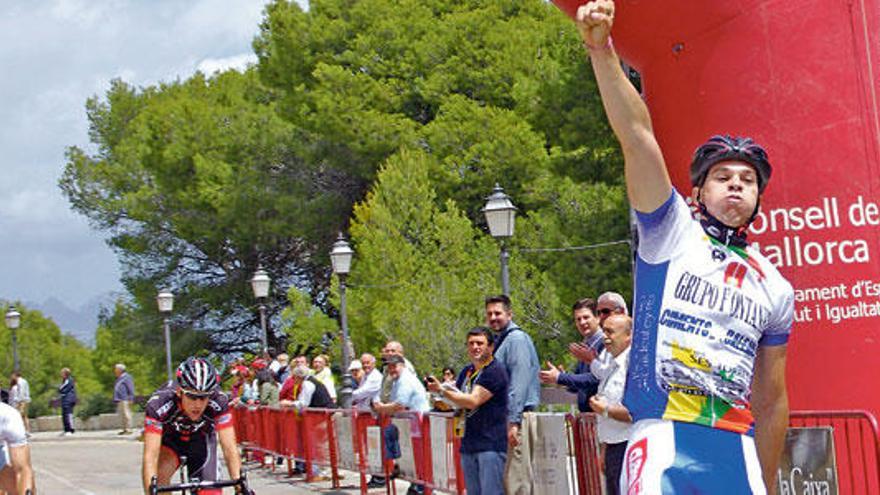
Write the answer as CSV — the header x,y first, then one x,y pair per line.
x,y
260,284
341,255
13,321
501,216
340,258
165,301
13,318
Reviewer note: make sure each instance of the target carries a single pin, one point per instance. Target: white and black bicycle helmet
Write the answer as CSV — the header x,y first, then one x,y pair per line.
x,y
197,375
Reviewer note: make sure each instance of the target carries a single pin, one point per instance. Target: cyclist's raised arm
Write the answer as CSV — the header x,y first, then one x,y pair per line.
x,y
647,180
150,466
226,437
20,461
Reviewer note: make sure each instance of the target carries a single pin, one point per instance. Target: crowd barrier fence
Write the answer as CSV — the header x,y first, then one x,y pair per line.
x,y
856,443
353,440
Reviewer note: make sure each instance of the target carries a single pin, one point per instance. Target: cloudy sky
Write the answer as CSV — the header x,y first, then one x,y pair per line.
x,y
53,55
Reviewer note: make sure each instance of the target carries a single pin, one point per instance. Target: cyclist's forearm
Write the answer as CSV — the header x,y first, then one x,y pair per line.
x,y
150,465
226,437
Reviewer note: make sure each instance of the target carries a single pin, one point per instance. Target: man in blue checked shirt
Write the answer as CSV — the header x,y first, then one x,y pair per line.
x,y
515,350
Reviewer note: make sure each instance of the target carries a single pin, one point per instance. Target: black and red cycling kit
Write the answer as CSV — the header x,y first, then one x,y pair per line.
x,y
184,437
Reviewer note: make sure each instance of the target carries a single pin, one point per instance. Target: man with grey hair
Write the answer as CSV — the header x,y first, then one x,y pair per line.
x,y
362,397
123,396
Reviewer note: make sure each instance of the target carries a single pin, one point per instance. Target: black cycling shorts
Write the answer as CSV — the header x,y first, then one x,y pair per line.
x,y
200,451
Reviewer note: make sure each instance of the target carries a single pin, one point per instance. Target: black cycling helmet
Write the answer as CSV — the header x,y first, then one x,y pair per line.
x,y
721,148
197,375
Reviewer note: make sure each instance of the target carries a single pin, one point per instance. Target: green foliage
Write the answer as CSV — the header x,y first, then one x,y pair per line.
x,y
420,267
43,350
124,337
400,115
95,404
305,323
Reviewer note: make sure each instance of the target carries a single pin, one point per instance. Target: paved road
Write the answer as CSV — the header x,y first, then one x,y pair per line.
x,y
103,463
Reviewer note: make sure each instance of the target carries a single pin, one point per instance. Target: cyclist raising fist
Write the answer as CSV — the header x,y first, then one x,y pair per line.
x,y
181,419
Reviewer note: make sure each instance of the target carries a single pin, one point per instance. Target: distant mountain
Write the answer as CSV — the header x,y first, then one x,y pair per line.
x,y
82,322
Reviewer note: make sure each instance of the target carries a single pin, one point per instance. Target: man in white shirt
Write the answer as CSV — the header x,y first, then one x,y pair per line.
x,y
614,419
362,397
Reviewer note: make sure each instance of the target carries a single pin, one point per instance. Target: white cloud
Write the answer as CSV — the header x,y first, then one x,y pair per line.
x,y
56,54
238,62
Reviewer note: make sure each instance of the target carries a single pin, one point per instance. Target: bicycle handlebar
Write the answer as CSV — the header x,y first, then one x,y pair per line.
x,y
195,486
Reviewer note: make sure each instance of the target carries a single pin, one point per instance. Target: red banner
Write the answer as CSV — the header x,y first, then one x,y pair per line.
x,y
801,78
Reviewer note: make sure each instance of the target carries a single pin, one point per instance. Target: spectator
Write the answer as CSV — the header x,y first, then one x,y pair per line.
x,y
321,365
581,382
614,420
268,388
123,396
302,390
303,361
481,390
609,303
407,394
439,403
392,348
20,398
449,376
362,397
515,351
67,389
356,370
283,370
247,390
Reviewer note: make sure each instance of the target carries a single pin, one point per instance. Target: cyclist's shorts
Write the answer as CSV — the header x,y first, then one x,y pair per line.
x,y
201,456
668,457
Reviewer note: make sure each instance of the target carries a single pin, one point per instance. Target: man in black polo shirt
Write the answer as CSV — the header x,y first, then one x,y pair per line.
x,y
482,395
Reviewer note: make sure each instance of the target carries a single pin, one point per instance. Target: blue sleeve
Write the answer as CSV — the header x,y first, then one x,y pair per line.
x,y
522,373
653,218
577,381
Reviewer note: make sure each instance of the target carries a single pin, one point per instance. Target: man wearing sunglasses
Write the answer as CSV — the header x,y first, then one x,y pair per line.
x,y
186,418
706,378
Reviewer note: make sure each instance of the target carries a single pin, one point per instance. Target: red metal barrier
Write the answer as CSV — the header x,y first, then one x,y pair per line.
x,y
585,443
309,436
856,443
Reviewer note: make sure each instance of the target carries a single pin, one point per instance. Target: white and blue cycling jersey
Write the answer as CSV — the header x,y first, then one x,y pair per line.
x,y
702,310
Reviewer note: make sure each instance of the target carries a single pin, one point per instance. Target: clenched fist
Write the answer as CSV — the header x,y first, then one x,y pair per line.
x,y
594,21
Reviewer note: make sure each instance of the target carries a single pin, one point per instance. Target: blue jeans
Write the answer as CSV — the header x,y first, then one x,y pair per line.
x,y
484,472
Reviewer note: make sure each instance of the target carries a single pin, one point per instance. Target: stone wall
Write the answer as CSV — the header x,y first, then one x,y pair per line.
x,y
101,422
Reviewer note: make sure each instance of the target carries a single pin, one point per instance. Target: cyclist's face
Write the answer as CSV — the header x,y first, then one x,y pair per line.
x,y
730,192
193,406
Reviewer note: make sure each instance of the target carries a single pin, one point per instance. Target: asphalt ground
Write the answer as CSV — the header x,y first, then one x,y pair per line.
x,y
102,462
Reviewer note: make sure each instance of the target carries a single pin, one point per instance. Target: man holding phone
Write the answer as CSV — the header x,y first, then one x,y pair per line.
x,y
482,395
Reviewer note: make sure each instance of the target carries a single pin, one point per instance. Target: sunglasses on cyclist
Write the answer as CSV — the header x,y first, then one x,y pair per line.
x,y
195,395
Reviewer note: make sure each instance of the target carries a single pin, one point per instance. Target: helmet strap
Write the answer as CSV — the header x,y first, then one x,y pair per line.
x,y
725,234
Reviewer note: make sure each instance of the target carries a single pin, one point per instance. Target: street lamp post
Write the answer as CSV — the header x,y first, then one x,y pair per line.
x,y
13,320
340,257
501,215
165,300
260,285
